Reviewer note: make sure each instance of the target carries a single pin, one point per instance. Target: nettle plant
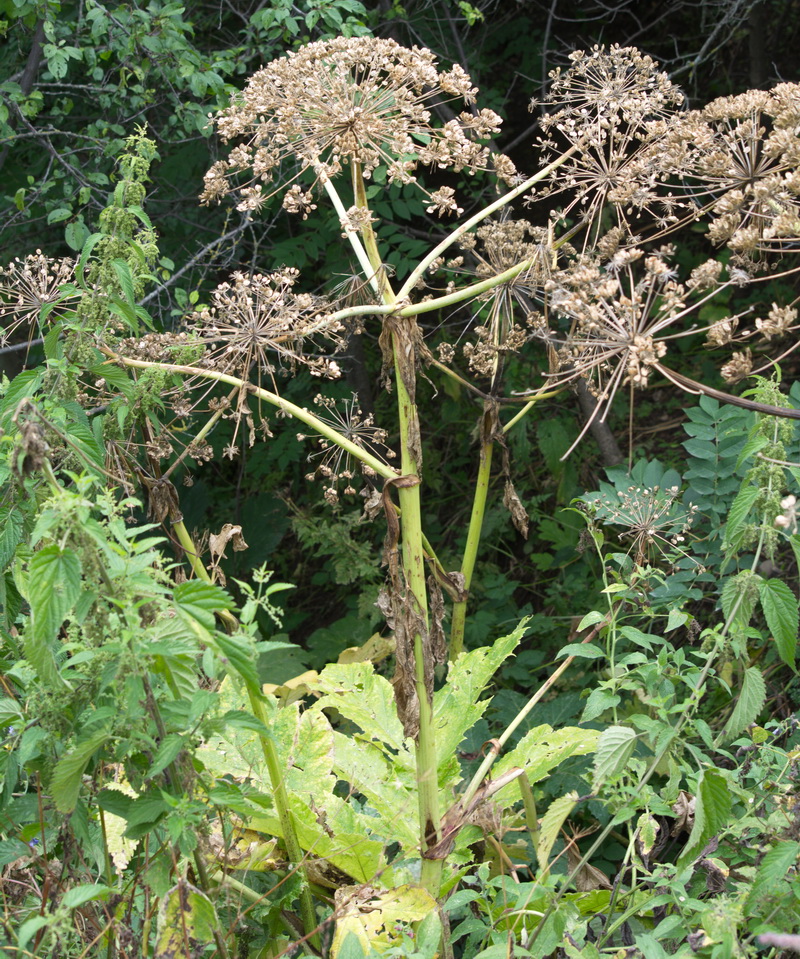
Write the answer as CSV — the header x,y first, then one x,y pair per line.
x,y
584,289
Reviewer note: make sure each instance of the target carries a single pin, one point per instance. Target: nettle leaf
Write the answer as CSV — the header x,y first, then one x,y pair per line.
x,y
54,586
780,611
66,782
774,868
201,600
737,514
10,533
24,384
712,807
364,698
739,597
614,748
540,750
551,824
751,700
457,706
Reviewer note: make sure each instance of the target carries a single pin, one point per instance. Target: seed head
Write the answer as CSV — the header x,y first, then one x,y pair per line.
x,y
356,100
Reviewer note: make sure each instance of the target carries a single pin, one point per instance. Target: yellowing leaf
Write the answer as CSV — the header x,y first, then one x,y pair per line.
x,y
377,919
119,847
186,922
375,649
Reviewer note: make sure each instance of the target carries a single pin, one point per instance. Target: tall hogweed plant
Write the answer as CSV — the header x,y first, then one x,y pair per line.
x,y
224,815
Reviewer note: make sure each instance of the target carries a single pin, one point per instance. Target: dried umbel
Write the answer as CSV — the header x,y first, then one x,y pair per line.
x,y
28,286
258,325
357,100
333,464
622,315
494,248
607,104
737,160
652,518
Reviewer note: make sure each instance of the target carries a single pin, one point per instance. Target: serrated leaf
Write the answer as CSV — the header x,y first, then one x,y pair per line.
x,y
24,384
751,700
739,597
738,512
551,824
65,784
774,868
364,698
201,600
10,533
614,748
457,705
239,651
712,807
10,712
125,278
779,604
756,442
54,586
539,751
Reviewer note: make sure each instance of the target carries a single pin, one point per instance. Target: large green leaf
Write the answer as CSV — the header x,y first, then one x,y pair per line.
x,y
752,697
387,782
712,807
457,705
364,698
780,610
54,586
540,750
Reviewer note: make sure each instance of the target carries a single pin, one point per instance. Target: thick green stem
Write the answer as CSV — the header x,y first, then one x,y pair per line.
x,y
403,350
473,536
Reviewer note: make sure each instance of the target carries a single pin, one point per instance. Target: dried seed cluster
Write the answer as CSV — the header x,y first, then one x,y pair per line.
x,y
332,463
355,100
29,285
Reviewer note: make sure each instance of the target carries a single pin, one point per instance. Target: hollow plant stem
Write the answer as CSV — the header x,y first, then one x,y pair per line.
x,y
473,536
403,352
298,412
